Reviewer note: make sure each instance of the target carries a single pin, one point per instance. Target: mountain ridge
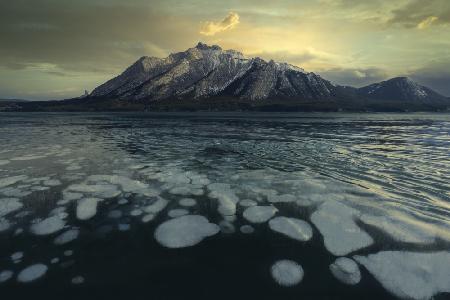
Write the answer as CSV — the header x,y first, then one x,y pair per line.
x,y
208,71
207,77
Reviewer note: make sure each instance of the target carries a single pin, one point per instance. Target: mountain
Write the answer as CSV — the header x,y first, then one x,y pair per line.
x,y
210,78
401,89
206,72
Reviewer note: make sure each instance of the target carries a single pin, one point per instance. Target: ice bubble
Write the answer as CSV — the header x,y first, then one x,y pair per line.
x,y
263,193
4,162
148,218
22,214
68,197
136,212
410,275
68,252
230,218
259,214
173,176
16,256
226,197
175,213
52,182
247,203
226,227
60,212
48,226
28,157
87,208
96,190
39,179
5,275
73,167
402,229
187,190
157,206
247,229
197,178
346,270
293,228
130,185
187,202
200,180
137,166
303,202
54,260
67,264
11,180
226,208
341,234
4,224
126,184
67,237
15,192
9,205
78,280
124,227
115,214
39,188
185,231
287,273
32,273
281,198
122,201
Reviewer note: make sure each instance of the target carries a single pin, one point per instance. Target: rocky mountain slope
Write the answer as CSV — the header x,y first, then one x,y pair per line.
x,y
208,71
401,89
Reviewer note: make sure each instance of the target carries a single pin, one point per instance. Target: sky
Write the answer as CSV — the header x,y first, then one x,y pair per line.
x,y
55,49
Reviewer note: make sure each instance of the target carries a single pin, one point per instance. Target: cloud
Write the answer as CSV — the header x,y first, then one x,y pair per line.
x,y
286,56
422,14
427,22
356,77
435,75
211,28
35,27
84,47
48,31
302,58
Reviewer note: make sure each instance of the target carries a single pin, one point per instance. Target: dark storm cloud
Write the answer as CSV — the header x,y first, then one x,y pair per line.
x,y
85,36
417,12
435,75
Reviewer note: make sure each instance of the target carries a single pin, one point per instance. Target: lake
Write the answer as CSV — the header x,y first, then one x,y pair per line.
x,y
224,206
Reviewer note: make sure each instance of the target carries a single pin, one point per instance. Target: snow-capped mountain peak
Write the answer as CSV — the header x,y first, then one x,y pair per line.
x,y
209,71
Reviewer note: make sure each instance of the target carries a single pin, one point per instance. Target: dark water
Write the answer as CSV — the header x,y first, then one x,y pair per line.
x,y
392,171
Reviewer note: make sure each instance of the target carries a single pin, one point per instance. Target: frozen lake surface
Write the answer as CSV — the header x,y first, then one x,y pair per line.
x,y
224,206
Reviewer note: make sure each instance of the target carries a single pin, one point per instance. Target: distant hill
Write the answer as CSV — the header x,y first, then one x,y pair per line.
x,y
401,89
210,78
13,100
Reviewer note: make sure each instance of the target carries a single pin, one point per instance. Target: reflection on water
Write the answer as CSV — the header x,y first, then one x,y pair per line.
x,y
367,184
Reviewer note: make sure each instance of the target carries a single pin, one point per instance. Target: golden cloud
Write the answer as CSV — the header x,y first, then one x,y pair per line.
x,y
211,28
427,22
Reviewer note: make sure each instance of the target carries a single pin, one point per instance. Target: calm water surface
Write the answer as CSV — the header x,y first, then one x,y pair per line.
x,y
93,201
